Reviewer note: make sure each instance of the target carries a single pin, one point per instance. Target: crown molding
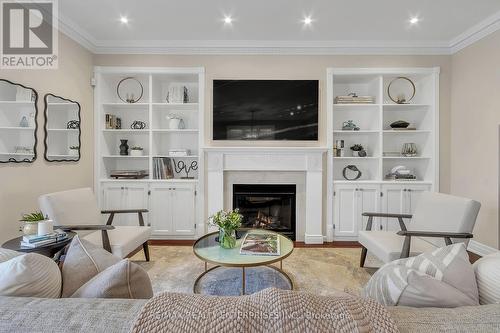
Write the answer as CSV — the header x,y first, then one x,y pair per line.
x,y
77,33
252,47
475,33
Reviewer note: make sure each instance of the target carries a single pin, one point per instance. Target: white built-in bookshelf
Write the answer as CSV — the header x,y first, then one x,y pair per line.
x,y
157,140
382,143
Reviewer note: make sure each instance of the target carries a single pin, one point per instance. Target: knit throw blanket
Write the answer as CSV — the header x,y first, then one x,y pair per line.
x,y
271,310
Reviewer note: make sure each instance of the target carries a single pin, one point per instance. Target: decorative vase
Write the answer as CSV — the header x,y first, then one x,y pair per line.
x,y
124,147
136,152
30,229
174,123
227,238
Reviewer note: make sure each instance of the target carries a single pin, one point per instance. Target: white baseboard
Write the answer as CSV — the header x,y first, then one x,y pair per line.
x,y
480,248
313,239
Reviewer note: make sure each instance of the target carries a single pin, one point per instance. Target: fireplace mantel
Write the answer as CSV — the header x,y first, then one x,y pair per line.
x,y
305,159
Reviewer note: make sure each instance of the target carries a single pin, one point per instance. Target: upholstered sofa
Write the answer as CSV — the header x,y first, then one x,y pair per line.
x,y
22,314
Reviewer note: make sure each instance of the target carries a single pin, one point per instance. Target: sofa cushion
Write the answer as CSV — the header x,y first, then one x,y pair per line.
x,y
387,245
123,239
30,275
83,261
487,271
441,278
72,315
122,280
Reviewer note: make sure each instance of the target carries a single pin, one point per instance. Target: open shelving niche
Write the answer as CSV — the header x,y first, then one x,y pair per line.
x,y
375,133
157,138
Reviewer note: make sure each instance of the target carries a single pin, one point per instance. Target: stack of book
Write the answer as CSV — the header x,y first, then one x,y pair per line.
x,y
354,99
113,122
178,152
129,174
34,241
162,168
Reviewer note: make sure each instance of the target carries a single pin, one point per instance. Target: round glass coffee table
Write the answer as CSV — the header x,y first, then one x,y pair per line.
x,y
228,260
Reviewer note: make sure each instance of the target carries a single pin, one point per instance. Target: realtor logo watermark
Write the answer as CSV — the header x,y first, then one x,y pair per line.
x,y
29,35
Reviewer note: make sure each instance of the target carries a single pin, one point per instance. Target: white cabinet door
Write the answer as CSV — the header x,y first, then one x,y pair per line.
x,y
173,210
345,211
393,203
368,202
136,197
114,198
183,210
161,210
126,196
413,193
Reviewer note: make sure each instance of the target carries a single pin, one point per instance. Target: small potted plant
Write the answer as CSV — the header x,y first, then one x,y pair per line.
x,y
30,221
136,151
74,150
228,222
358,151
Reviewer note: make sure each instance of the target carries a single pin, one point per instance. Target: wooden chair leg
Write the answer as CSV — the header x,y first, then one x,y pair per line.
x,y
362,259
145,247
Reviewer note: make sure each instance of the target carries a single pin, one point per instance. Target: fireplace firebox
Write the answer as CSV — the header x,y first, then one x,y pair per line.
x,y
270,207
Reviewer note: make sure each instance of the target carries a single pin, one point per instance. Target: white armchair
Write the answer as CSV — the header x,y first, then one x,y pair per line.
x,y
439,220
77,210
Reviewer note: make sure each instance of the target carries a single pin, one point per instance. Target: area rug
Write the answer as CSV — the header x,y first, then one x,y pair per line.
x,y
318,270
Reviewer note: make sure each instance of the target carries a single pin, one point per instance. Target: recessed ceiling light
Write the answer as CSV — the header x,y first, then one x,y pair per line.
x,y
228,20
124,19
414,20
307,20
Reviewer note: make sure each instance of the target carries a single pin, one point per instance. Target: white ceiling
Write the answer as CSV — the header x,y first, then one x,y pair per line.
x,y
338,25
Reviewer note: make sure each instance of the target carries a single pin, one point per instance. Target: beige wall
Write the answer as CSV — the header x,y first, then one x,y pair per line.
x,y
475,120
300,67
21,184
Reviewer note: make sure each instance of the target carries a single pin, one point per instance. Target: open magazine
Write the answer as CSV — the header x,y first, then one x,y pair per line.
x,y
262,244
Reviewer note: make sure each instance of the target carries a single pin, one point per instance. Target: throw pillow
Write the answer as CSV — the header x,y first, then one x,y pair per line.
x,y
30,275
83,261
441,278
488,278
6,254
122,280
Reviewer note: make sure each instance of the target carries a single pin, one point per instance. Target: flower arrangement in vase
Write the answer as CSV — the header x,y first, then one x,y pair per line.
x,y
228,222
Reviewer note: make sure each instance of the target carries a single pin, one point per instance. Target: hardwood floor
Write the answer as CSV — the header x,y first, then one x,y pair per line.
x,y
162,242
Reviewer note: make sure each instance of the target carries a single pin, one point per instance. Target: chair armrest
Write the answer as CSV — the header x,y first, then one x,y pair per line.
x,y
435,234
404,216
85,227
123,211
400,218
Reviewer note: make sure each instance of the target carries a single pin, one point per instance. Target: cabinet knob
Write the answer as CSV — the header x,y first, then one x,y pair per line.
x,y
404,190
361,189
409,190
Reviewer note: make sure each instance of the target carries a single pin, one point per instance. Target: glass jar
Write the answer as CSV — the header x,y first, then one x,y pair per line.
x,y
227,238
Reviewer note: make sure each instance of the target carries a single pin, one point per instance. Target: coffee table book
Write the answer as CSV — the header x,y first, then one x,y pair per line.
x,y
261,244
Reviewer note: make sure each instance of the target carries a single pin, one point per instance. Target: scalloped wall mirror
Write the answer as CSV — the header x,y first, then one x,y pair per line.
x,y
18,124
62,129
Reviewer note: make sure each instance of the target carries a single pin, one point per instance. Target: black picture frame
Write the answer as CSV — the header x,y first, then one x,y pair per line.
x,y
46,118
34,93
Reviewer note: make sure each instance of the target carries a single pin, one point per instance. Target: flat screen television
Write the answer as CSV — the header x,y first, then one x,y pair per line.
x,y
265,110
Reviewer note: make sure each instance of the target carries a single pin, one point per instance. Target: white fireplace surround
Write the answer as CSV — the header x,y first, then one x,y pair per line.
x,y
264,159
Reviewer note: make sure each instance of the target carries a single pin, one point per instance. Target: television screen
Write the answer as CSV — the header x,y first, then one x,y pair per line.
x,y
265,109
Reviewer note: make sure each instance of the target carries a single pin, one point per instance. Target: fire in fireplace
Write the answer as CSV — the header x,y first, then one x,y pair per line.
x,y
270,207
